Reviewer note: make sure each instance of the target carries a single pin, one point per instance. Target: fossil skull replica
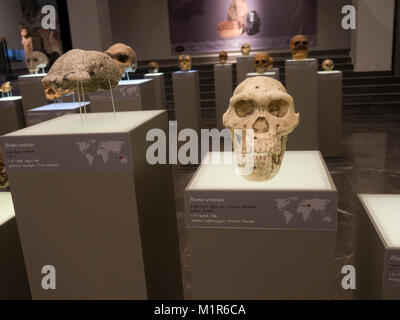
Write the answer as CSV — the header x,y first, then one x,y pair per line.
x,y
271,62
3,174
6,88
55,94
261,62
83,70
36,61
327,65
124,56
245,49
185,62
299,47
262,105
153,67
223,57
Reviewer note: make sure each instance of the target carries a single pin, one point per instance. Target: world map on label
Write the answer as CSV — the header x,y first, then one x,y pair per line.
x,y
307,209
103,151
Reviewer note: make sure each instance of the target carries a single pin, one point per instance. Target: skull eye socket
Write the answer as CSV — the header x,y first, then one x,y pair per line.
x,y
264,61
278,108
305,43
122,58
297,43
244,108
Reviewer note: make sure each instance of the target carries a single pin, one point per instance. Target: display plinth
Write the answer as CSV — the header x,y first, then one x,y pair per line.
x,y
378,247
301,84
159,88
88,203
13,279
32,91
270,74
223,90
244,65
330,85
129,95
187,99
54,110
263,240
11,114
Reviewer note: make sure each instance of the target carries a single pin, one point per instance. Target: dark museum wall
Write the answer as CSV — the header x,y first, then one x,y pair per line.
x,y
10,17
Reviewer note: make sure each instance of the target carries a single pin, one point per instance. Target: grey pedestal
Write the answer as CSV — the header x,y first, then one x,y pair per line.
x,y
301,84
88,202
275,70
129,95
54,110
13,278
270,74
377,253
187,99
223,90
11,114
330,113
263,240
244,65
159,88
32,91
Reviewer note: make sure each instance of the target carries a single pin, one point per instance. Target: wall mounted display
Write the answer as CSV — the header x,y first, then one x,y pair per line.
x,y
211,26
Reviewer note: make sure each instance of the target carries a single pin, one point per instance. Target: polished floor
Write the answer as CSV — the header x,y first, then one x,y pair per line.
x,y
370,164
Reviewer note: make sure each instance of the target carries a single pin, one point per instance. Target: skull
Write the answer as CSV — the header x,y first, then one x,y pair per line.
x,y
271,62
124,56
328,65
299,47
153,67
223,57
262,105
260,62
245,49
35,61
185,62
6,87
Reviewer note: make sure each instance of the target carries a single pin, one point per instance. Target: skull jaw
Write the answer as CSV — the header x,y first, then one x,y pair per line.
x,y
300,54
258,166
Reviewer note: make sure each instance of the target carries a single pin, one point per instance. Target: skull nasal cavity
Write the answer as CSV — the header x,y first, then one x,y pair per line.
x,y
261,125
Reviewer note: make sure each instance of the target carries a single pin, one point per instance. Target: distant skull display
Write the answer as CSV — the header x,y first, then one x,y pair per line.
x,y
185,62
271,63
6,87
260,62
35,61
245,49
153,67
262,105
299,47
124,56
328,65
223,57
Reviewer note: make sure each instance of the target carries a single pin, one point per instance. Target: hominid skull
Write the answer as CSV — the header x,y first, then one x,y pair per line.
x,y
261,62
124,56
153,67
245,49
299,47
223,57
185,62
35,61
328,65
260,106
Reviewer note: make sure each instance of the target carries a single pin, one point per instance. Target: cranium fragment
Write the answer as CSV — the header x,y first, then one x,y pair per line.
x,y
223,57
54,94
245,49
261,105
124,56
185,62
153,67
299,47
328,65
35,61
260,62
271,63
6,88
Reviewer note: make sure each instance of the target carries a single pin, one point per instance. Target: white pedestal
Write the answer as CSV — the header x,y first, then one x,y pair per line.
x,y
129,95
301,84
11,114
159,88
330,85
244,65
263,240
13,279
270,74
54,110
187,99
32,91
223,90
89,203
378,247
